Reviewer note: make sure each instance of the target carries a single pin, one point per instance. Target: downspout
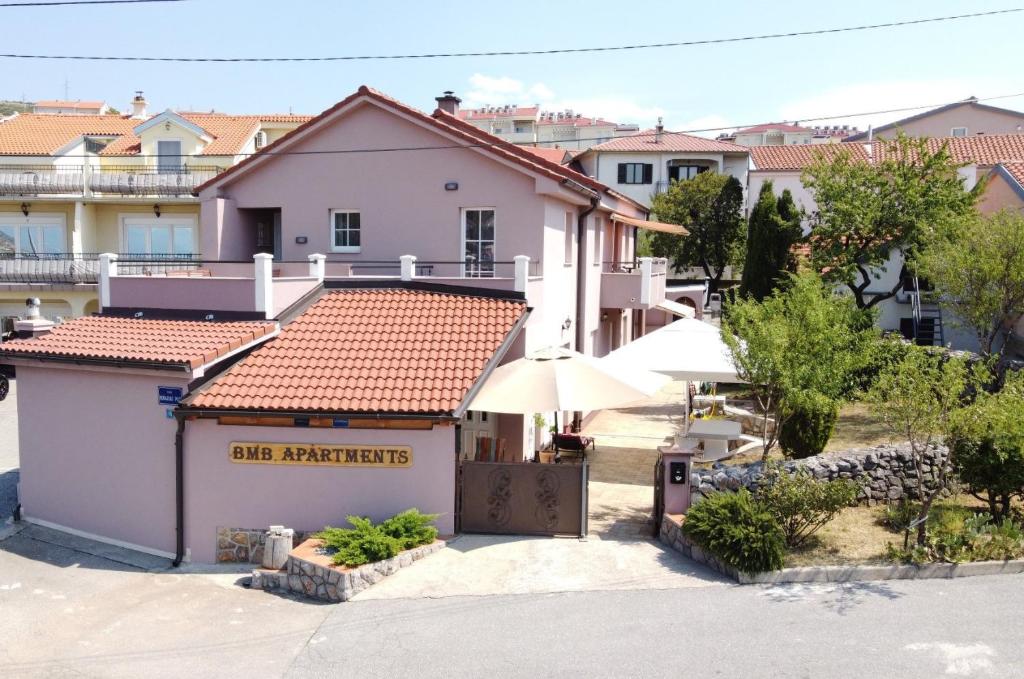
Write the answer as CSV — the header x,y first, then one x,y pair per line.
x,y
179,489
581,273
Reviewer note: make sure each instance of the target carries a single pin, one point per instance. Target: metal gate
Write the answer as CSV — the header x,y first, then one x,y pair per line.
x,y
659,493
523,498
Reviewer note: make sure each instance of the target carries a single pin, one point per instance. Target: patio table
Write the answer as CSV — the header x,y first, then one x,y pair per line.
x,y
716,435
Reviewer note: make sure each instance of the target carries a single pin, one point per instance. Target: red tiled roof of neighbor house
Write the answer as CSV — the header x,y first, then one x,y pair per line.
x,y
41,134
554,155
440,120
673,142
1015,170
498,112
766,127
230,133
362,351
138,340
985,150
575,121
799,156
57,103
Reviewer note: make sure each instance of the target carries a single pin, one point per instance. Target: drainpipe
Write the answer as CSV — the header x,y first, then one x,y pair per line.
x,y
581,273
179,490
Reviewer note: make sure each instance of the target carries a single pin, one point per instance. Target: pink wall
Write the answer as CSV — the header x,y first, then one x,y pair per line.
x,y
219,492
287,291
214,294
97,453
999,194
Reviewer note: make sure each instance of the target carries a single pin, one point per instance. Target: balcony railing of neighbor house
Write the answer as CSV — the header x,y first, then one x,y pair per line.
x,y
129,180
636,284
83,268
121,180
37,180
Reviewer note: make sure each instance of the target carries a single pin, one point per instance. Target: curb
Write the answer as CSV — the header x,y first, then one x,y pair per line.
x,y
672,535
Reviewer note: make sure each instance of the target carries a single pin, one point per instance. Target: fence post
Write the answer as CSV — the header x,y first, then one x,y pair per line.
x,y
522,272
264,284
646,273
408,267
108,269
317,266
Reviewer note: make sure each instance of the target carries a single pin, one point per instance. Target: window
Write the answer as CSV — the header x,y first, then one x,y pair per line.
x,y
478,242
260,139
681,172
570,237
164,237
168,156
958,132
497,130
34,235
345,228
636,173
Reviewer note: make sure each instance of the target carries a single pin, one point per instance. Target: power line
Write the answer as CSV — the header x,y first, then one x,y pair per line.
x,y
55,3
516,53
640,135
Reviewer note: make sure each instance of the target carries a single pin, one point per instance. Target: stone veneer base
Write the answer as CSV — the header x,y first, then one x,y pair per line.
x,y
671,534
311,574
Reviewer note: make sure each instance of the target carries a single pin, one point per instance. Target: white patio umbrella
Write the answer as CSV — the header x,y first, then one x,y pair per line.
x,y
557,379
685,349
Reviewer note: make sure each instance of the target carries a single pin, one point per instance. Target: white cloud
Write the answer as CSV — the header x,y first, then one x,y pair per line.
x,y
863,98
495,91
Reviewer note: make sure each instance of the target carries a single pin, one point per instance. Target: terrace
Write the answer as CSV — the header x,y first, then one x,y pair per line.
x,y
636,284
106,180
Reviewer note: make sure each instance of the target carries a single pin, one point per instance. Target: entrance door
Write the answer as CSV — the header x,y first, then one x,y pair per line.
x,y
476,424
168,156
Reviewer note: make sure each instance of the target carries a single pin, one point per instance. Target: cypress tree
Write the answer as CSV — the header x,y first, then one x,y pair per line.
x,y
760,269
792,232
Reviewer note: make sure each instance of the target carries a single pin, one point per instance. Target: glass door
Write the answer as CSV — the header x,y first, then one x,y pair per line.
x,y
478,242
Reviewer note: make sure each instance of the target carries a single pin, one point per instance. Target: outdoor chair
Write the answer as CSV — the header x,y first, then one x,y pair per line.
x,y
571,442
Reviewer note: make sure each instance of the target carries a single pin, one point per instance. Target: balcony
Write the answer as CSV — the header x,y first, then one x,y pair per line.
x,y
636,284
66,268
112,180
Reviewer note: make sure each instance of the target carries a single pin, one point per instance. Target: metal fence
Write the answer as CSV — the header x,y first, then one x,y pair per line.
x,y
71,268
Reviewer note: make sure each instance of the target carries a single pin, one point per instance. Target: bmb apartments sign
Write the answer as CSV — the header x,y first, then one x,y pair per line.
x,y
246,452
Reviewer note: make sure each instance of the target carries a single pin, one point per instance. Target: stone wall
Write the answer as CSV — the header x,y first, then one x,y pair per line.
x,y
886,472
244,545
316,578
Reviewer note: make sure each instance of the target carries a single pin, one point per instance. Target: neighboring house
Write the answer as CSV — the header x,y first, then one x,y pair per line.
x,y
532,125
644,164
783,134
984,156
73,108
965,118
73,186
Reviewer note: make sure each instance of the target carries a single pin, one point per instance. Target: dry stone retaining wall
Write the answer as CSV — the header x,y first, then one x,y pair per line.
x,y
886,472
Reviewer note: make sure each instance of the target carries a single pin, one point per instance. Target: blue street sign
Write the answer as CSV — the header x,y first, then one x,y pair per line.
x,y
340,422
170,396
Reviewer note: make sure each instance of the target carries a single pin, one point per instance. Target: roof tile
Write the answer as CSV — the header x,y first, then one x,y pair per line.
x,y
673,142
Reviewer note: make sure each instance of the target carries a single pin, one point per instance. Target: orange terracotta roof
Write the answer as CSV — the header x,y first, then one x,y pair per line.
x,y
673,142
41,134
137,340
1015,170
57,103
767,127
985,150
553,155
499,112
230,133
384,350
439,120
799,156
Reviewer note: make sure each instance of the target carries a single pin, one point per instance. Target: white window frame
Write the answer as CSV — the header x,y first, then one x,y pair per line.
x,y
18,220
952,132
349,249
462,241
168,220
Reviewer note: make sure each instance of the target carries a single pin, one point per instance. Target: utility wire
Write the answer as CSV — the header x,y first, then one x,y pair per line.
x,y
641,135
516,53
56,3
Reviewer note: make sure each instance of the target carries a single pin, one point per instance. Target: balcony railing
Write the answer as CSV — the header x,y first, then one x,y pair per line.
x,y
85,180
628,285
130,180
70,268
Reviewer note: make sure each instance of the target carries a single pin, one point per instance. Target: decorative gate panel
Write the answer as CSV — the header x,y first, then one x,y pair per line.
x,y
524,498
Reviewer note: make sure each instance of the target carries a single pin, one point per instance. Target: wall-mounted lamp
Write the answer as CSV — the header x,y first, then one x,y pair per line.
x,y
566,324
604,316
167,126
156,210
451,186
301,240
24,209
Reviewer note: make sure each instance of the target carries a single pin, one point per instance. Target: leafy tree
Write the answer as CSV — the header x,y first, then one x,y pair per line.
x,y
770,236
979,275
796,346
988,448
710,207
918,400
800,503
904,200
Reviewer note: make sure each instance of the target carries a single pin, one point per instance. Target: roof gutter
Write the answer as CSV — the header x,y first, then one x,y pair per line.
x,y
493,363
102,362
188,411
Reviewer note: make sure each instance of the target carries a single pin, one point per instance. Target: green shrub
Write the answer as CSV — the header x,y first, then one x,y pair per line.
x,y
883,355
988,449
958,534
734,528
366,543
801,504
808,427
900,515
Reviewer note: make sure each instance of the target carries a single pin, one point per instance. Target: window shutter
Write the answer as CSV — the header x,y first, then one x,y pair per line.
x,y
622,173
648,173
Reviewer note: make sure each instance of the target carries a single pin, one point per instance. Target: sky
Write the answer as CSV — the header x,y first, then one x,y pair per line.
x,y
689,87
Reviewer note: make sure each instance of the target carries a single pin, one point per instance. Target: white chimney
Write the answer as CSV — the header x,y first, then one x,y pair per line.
x,y
32,325
139,106
658,129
